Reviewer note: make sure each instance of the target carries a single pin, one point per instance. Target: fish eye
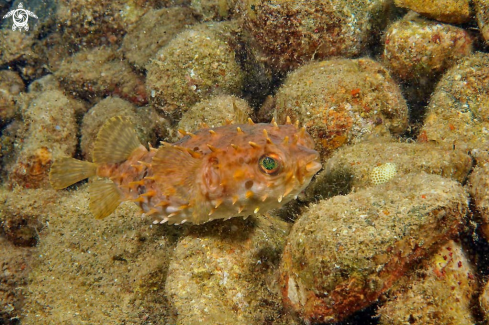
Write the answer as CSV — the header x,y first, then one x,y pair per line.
x,y
269,164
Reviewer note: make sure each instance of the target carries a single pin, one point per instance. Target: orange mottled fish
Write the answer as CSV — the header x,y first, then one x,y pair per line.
x,y
216,173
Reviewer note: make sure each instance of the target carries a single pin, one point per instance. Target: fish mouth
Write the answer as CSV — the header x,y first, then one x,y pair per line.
x,y
313,164
313,167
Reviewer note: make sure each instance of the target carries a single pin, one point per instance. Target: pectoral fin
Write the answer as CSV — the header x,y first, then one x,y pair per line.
x,y
175,169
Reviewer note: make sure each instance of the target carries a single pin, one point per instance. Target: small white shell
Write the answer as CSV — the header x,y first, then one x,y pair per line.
x,y
383,173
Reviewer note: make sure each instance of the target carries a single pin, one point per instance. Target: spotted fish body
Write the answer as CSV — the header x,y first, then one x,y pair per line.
x,y
216,173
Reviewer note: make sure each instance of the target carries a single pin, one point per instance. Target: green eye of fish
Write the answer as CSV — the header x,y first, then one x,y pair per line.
x,y
269,164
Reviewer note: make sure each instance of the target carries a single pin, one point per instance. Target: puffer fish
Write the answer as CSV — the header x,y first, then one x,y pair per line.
x,y
216,173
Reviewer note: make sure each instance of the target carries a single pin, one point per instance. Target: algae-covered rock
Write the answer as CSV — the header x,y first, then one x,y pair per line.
x,y
440,292
194,66
482,17
478,187
292,33
448,11
342,101
350,168
22,52
418,50
214,112
484,301
458,113
90,23
155,29
109,271
343,253
48,82
214,9
225,273
15,266
146,121
12,135
51,132
15,46
95,73
22,212
11,85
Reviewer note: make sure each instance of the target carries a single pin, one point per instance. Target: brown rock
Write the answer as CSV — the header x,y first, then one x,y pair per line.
x,y
419,50
214,112
482,17
438,292
458,112
350,167
93,74
11,85
154,30
478,187
448,11
51,132
291,33
342,101
225,273
345,252
196,65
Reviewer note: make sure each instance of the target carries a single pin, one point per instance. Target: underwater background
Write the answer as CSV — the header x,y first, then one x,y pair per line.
x,y
393,229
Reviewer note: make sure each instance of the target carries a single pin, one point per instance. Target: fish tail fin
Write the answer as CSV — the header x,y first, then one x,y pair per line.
x,y
105,197
115,142
68,171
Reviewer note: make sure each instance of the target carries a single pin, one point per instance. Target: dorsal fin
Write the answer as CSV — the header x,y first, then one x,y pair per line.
x,y
115,141
105,197
176,168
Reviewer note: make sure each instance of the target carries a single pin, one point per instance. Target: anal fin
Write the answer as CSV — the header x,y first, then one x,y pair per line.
x,y
105,197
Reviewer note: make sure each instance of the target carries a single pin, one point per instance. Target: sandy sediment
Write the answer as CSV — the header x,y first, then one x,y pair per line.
x,y
225,273
112,271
